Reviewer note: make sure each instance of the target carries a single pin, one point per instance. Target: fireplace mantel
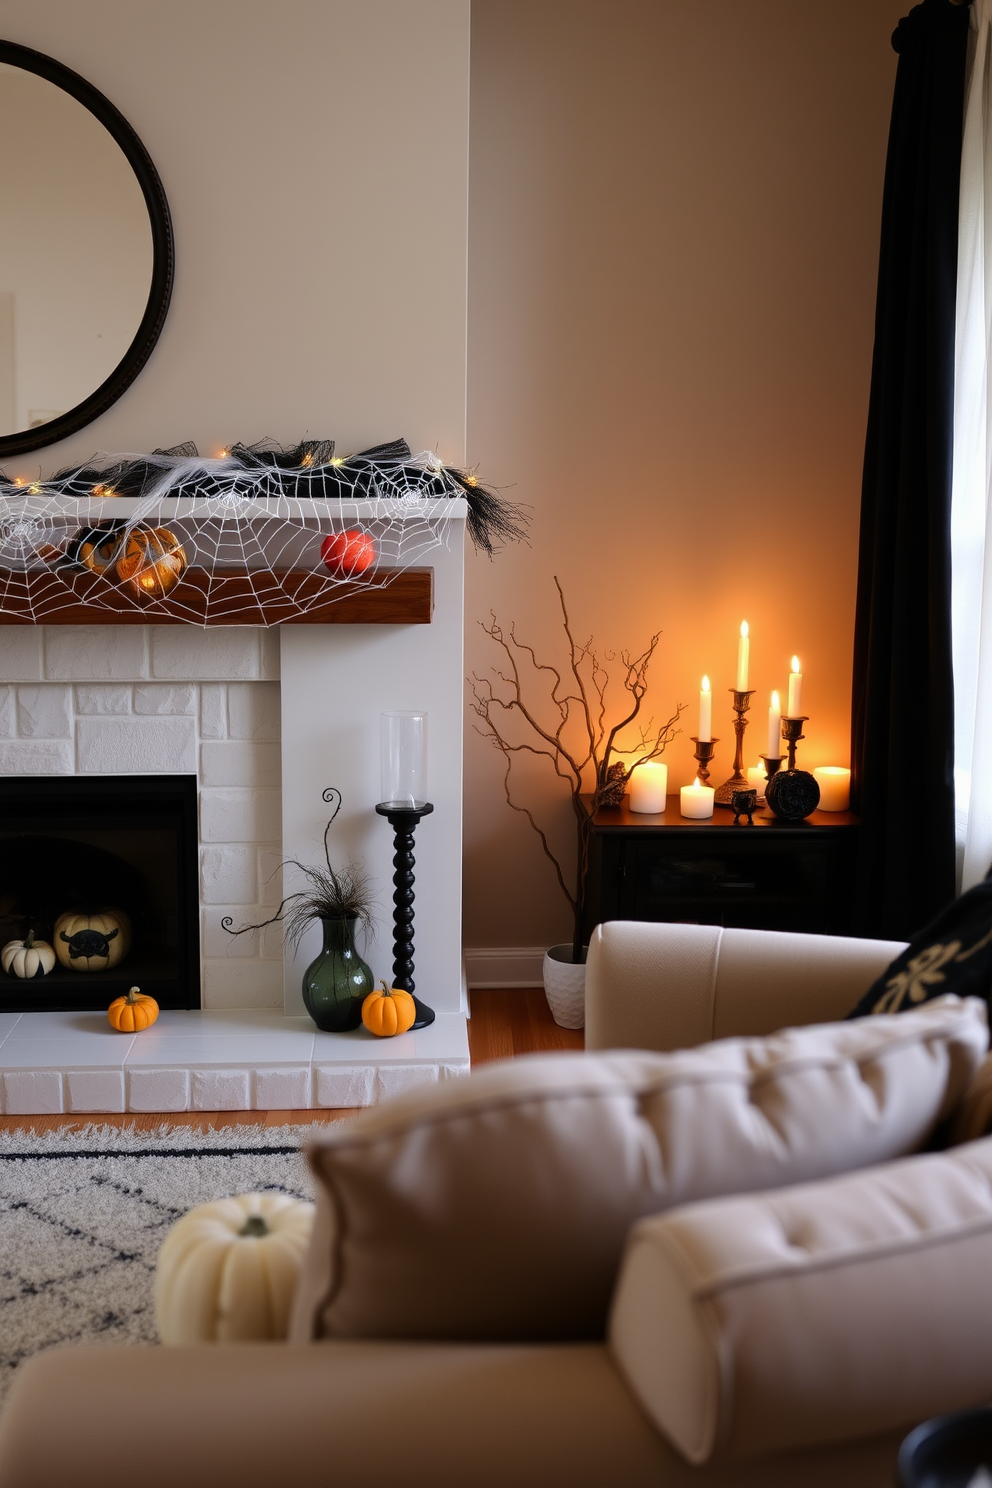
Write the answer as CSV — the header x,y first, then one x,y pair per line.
x,y
236,597
238,587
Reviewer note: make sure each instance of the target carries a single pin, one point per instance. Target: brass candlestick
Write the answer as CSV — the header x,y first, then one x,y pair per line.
x,y
737,781
702,756
792,732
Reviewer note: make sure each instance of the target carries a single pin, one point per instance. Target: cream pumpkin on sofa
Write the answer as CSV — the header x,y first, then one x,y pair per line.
x,y
227,1271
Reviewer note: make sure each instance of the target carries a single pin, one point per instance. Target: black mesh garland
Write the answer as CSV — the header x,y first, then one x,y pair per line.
x,y
309,470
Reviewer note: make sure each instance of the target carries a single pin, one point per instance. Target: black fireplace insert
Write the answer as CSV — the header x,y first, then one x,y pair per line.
x,y
96,866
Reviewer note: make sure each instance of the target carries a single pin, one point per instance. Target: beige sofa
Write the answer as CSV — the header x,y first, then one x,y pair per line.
x,y
376,1411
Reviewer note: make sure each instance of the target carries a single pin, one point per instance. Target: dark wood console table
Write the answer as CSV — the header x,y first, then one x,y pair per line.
x,y
770,876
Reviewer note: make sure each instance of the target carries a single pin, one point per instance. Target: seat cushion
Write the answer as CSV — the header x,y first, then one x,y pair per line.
x,y
496,1207
951,954
820,1313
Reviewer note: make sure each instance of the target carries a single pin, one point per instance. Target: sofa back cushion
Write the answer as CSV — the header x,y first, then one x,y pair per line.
x,y
815,1314
496,1207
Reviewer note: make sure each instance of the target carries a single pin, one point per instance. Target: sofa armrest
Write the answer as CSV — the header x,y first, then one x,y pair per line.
x,y
667,986
362,1415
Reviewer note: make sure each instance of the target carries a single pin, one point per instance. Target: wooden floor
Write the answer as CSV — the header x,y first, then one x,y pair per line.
x,y
502,1026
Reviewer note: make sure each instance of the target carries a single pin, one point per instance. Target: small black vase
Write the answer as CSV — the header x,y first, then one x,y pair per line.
x,y
338,982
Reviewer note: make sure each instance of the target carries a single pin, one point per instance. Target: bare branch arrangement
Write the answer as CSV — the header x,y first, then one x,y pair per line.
x,y
569,728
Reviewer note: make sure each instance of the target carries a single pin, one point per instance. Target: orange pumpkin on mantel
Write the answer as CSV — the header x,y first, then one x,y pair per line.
x,y
150,562
388,1012
132,1013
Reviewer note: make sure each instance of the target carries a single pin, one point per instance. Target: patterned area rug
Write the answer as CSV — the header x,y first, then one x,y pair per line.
x,y
82,1216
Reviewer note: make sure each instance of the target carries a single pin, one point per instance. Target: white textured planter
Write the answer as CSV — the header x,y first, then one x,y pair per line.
x,y
565,985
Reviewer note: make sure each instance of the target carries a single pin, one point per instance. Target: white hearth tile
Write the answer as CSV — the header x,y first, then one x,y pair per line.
x,y
157,1089
457,1070
124,746
347,1048
213,710
36,757
253,711
32,1093
282,1089
219,1090
239,762
186,654
165,700
344,1085
96,653
21,654
7,729
35,1027
44,712
227,875
397,1080
111,698
8,1022
261,1050
243,1022
94,1090
97,1052
229,815
444,1039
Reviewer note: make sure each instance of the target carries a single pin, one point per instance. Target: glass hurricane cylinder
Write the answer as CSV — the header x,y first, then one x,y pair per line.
x,y
338,982
404,760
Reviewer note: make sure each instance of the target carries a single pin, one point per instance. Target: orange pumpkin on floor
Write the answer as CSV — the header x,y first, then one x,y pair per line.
x,y
387,1012
150,562
132,1013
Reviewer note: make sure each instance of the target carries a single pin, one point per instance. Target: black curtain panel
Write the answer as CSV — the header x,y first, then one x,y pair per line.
x,y
902,719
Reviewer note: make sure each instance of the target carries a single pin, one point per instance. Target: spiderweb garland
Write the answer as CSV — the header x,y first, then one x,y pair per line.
x,y
236,539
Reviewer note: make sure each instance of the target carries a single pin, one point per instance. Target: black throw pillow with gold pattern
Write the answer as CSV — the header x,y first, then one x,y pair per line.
x,y
953,954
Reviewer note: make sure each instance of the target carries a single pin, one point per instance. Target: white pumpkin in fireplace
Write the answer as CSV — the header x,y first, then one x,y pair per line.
x,y
28,957
227,1271
93,940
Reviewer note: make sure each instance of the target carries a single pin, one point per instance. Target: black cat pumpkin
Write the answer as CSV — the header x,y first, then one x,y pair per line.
x,y
92,941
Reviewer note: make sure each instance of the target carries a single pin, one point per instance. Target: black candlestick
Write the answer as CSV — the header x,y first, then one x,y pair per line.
x,y
403,820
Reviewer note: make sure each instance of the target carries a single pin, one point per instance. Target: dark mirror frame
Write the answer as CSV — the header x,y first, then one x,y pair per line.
x,y
163,252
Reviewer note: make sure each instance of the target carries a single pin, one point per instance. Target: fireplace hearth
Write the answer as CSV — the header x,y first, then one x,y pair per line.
x,y
98,846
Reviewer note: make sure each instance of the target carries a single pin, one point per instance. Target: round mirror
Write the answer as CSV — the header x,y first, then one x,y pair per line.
x,y
86,254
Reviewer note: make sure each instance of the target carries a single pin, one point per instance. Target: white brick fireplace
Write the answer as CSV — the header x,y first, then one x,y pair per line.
x,y
265,719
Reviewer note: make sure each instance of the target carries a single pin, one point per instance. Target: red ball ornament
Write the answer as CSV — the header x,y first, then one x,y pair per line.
x,y
348,553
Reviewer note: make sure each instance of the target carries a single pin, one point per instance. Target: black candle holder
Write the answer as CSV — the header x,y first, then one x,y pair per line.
x,y
403,820
772,764
738,781
702,756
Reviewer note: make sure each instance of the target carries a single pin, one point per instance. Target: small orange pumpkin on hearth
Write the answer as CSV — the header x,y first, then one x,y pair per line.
x,y
390,1011
132,1013
150,562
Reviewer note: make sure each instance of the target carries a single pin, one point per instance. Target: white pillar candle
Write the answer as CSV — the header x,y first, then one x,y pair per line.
x,y
756,778
835,787
705,713
743,655
696,800
795,690
774,727
648,788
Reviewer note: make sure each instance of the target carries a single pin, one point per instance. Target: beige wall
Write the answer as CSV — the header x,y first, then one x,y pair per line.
x,y
674,233
314,153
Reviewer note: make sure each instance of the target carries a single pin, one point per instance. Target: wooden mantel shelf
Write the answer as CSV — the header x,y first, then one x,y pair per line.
x,y
223,597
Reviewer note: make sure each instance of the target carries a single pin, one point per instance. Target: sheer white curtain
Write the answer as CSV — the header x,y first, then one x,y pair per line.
x,y
971,527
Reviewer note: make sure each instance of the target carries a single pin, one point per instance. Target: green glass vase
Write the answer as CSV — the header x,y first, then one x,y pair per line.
x,y
338,982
